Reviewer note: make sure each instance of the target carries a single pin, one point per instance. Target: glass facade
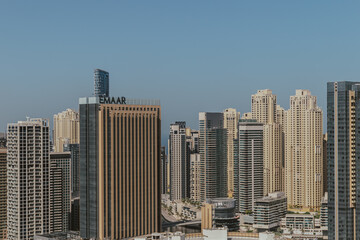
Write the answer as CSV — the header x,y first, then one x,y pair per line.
x,y
101,83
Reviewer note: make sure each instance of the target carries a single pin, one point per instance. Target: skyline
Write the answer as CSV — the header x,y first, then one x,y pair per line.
x,y
179,53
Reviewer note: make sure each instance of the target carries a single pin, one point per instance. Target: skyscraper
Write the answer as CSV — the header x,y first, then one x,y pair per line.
x,y
3,193
303,149
343,159
250,170
263,106
231,121
73,149
66,129
164,162
179,162
60,170
101,83
120,184
213,154
265,110
28,179
195,172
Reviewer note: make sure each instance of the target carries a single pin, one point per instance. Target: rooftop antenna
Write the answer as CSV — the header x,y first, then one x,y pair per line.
x,y
27,118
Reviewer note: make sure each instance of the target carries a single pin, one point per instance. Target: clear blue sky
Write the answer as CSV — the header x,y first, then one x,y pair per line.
x,y
192,55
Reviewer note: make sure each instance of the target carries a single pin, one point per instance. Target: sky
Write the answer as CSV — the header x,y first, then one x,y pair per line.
x,y
195,56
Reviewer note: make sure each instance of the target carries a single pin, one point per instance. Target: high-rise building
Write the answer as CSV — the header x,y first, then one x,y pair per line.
x,y
231,121
66,129
120,179
246,116
263,106
73,149
273,158
343,156
28,167
179,162
3,193
192,139
250,170
60,182
213,154
324,216
195,172
2,140
164,162
304,150
325,163
101,83
265,110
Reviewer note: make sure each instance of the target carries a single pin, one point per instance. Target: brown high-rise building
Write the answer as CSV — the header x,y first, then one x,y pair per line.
x,y
3,195
120,170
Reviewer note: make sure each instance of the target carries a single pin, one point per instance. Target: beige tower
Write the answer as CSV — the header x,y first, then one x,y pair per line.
x,y
231,119
66,129
304,152
265,110
263,106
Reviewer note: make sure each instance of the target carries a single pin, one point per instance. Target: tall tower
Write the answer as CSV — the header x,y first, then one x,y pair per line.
x,y
213,154
3,193
263,106
343,151
250,170
60,171
28,179
231,121
303,149
120,179
66,129
179,162
265,110
101,83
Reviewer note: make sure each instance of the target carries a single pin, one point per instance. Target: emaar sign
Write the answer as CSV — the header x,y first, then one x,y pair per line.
x,y
112,100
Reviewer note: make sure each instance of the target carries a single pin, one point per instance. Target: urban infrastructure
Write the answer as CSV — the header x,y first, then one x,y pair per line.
x,y
195,177
66,129
164,167
304,153
3,193
101,83
213,155
28,167
343,153
250,170
120,179
269,210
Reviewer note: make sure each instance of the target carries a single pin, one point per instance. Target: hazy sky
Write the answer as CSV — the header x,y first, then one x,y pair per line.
x,y
192,55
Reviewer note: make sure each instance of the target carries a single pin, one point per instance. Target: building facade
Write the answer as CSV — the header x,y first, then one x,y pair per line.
x,y
66,129
60,183
304,153
343,148
265,110
213,155
3,193
179,160
231,121
120,183
195,172
164,162
101,83
250,169
28,185
269,210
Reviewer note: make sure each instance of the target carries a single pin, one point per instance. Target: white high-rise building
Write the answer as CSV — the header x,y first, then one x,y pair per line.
x,y
28,182
179,166
304,152
231,121
66,129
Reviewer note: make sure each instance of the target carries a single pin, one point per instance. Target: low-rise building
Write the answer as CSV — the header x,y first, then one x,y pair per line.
x,y
269,210
298,221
